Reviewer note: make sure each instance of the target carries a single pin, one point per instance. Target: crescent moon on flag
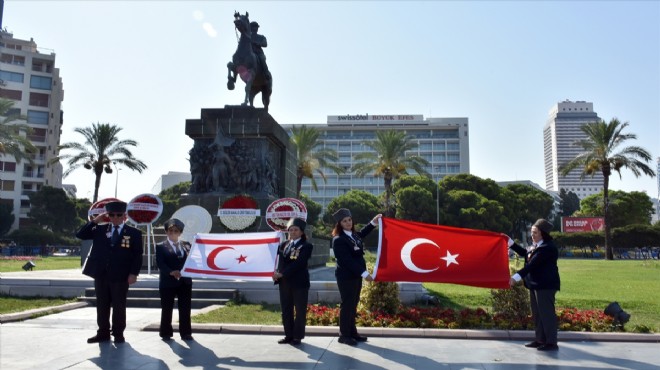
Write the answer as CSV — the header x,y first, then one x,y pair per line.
x,y
406,254
210,260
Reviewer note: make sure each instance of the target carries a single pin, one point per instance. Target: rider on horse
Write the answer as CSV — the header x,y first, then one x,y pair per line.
x,y
259,42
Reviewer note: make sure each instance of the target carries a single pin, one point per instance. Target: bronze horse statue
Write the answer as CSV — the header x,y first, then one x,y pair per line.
x,y
245,63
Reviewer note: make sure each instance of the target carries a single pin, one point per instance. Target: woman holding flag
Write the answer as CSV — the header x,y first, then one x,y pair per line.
x,y
348,248
292,277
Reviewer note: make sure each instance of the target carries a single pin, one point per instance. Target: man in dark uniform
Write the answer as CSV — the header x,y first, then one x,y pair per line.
x,y
258,43
114,262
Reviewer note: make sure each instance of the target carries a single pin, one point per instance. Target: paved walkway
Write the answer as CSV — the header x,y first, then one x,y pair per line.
x,y
58,341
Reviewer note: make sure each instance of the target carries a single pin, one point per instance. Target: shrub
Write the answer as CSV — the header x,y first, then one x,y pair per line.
x,y
379,296
511,304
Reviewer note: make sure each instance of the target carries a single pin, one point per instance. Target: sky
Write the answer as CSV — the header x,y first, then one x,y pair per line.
x,y
147,66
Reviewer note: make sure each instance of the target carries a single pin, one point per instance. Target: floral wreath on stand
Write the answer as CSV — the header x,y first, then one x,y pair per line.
x,y
239,212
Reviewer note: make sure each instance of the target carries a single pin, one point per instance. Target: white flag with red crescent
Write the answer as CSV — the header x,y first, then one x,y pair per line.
x,y
245,256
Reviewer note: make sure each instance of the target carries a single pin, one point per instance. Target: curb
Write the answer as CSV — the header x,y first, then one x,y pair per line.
x,y
30,314
333,331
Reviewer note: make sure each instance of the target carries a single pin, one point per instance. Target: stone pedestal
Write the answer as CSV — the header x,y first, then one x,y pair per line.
x,y
239,150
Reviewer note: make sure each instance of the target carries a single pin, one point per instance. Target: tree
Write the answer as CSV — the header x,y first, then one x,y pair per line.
x,y
311,156
534,204
11,141
388,159
82,208
472,202
415,203
313,209
51,209
600,156
625,208
102,147
569,202
6,217
170,198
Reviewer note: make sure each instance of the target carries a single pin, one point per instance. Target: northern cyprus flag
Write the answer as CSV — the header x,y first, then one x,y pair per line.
x,y
247,256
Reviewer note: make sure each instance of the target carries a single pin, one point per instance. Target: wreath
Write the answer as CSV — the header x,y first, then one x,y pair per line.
x,y
239,212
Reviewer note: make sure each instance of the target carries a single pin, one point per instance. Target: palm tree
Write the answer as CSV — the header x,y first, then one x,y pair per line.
x,y
101,148
388,159
11,141
311,157
599,156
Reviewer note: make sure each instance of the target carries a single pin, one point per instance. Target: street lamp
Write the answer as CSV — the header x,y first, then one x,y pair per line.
x,y
116,177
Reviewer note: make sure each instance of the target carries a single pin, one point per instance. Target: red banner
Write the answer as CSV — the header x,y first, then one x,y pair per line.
x,y
413,251
582,224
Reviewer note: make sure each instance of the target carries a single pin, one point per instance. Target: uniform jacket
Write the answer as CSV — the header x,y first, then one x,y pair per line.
x,y
168,261
293,265
540,270
117,261
349,253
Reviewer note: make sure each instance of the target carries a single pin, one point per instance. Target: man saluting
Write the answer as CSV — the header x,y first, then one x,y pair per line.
x,y
114,263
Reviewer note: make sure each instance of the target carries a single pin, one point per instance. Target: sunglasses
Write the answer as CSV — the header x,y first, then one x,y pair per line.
x,y
115,214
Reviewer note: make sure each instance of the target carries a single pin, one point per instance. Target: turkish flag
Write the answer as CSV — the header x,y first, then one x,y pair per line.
x,y
413,251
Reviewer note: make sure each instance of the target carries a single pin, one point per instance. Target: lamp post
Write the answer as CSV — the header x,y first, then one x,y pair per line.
x,y
437,203
116,177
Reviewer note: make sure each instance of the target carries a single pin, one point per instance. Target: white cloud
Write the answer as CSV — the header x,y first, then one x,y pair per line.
x,y
208,27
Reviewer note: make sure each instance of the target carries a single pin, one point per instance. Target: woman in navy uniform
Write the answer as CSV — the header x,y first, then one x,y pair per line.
x,y
348,248
541,277
292,277
171,255
114,262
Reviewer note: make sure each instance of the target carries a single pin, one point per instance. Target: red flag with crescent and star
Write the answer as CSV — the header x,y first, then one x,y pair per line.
x,y
418,252
245,256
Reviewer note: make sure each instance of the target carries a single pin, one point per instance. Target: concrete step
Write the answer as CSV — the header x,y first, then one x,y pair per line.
x,y
154,302
150,297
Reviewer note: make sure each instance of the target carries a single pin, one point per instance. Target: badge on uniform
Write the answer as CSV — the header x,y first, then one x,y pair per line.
x,y
126,242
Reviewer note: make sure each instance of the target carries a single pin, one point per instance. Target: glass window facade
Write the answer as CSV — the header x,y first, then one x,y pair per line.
x,y
41,82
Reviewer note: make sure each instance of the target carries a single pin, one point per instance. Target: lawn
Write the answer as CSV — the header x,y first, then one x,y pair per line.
x,y
586,284
13,264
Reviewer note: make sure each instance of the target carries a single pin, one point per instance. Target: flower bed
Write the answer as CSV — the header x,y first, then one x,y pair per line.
x,y
570,319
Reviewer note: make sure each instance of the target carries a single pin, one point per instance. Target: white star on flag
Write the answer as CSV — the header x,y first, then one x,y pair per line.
x,y
450,258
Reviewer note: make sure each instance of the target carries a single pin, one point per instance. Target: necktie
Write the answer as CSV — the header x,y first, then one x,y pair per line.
x,y
178,250
288,248
115,236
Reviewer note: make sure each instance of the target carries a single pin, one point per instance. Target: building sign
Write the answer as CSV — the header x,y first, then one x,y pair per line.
x,y
377,118
582,224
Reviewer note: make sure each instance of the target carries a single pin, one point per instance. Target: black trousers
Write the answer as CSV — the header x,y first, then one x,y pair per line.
x,y
183,293
110,295
293,299
544,315
349,291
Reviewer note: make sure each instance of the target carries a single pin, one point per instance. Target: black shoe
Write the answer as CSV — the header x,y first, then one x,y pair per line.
x,y
119,340
166,339
548,347
296,342
187,337
533,344
360,338
348,340
98,339
285,340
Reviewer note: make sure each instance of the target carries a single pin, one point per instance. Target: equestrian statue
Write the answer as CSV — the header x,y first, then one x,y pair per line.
x,y
249,62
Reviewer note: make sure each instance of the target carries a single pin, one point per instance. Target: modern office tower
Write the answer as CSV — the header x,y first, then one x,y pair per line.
x,y
560,133
444,142
29,78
